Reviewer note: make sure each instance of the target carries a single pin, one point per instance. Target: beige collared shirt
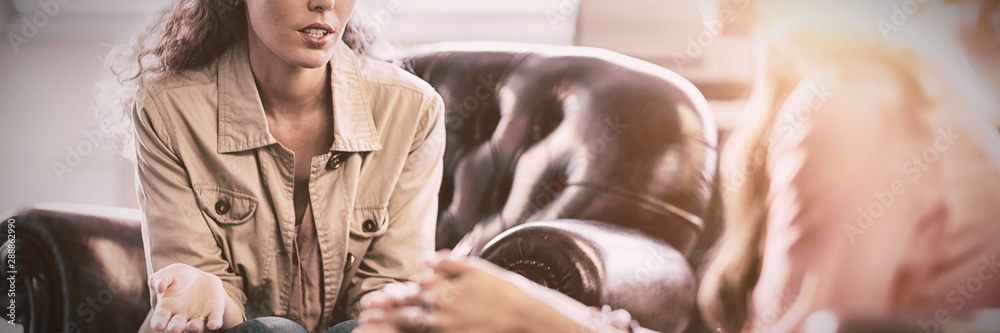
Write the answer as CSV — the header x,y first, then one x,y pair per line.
x,y
216,188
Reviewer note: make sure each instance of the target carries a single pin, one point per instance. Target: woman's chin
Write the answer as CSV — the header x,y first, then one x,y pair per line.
x,y
311,59
313,64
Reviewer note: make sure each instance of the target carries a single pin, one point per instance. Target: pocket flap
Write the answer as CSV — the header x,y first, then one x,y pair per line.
x,y
369,221
225,206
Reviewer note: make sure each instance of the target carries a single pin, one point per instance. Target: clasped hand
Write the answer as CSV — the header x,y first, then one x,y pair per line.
x,y
457,295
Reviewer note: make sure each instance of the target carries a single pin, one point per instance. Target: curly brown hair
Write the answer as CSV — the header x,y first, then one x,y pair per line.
x,y
186,35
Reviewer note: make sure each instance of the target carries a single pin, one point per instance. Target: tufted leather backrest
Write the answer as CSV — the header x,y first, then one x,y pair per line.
x,y
542,132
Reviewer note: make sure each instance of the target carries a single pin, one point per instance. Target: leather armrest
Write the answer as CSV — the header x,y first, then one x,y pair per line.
x,y
79,269
599,264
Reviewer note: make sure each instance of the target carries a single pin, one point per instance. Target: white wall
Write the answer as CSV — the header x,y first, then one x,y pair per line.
x,y
408,22
47,91
641,28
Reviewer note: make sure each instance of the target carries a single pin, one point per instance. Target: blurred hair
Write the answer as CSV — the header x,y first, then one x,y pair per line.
x,y
734,263
186,35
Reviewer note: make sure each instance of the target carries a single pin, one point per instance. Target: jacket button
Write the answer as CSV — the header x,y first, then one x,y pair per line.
x,y
222,207
336,161
369,226
348,262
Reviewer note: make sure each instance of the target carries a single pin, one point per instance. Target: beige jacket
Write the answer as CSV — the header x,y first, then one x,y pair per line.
x,y
215,187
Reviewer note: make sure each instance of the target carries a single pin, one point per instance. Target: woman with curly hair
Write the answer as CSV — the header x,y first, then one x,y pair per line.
x,y
282,173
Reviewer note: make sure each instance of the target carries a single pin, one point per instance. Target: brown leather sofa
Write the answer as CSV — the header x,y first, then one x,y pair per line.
x,y
587,171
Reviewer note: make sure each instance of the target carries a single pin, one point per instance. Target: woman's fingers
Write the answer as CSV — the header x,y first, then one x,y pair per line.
x,y
177,324
163,321
163,278
410,318
214,319
195,325
392,295
376,328
372,316
160,319
153,282
447,265
156,282
396,291
376,300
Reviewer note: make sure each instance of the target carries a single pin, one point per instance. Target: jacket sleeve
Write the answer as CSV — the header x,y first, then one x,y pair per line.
x,y
413,206
174,229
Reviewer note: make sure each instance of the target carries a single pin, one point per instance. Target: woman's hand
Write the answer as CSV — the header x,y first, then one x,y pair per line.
x,y
466,294
188,300
461,296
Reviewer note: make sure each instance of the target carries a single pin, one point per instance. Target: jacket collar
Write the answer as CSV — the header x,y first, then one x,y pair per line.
x,y
243,126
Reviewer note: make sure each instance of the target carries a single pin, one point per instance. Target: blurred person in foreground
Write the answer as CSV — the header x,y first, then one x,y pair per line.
x,y
866,186
872,178
282,172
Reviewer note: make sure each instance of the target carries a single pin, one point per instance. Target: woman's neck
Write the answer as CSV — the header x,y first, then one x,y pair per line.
x,y
285,88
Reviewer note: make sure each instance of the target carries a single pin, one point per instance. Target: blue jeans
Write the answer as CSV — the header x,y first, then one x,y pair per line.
x,y
282,325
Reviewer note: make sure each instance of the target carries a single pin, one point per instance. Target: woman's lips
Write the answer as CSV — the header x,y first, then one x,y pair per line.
x,y
316,37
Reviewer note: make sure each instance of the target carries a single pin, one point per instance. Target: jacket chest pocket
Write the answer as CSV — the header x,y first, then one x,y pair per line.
x,y
248,247
224,206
